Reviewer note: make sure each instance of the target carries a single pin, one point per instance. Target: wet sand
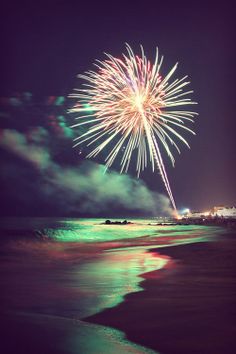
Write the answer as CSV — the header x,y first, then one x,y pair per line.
x,y
52,281
188,307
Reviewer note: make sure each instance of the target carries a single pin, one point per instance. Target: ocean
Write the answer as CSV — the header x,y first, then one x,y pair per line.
x,y
55,272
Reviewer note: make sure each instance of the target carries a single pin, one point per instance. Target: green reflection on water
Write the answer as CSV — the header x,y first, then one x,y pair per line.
x,y
92,230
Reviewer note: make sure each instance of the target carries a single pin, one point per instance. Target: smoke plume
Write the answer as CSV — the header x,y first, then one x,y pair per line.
x,y
87,188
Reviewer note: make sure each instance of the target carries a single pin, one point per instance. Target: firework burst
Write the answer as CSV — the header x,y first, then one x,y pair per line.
x,y
131,110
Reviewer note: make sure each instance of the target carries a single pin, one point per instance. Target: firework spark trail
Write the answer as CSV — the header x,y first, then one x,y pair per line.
x,y
131,107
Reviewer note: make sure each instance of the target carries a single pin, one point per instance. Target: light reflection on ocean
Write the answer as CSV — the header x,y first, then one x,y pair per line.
x,y
75,268
94,230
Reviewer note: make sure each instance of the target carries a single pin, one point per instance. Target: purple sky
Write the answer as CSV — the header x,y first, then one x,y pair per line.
x,y
46,46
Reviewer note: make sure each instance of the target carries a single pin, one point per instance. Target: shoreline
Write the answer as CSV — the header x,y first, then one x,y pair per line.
x,y
56,280
187,307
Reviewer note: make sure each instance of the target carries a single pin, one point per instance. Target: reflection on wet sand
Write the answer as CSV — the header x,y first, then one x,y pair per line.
x,y
50,286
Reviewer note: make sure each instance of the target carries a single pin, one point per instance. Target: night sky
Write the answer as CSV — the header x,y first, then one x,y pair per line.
x,y
46,46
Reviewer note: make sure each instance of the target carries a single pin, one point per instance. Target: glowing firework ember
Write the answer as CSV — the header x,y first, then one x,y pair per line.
x,y
129,111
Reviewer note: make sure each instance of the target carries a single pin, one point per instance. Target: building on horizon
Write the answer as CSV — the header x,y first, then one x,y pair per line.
x,y
224,211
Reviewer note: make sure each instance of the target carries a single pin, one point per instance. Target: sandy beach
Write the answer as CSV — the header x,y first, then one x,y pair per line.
x,y
81,287
186,307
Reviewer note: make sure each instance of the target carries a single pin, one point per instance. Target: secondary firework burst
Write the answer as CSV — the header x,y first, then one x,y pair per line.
x,y
130,109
